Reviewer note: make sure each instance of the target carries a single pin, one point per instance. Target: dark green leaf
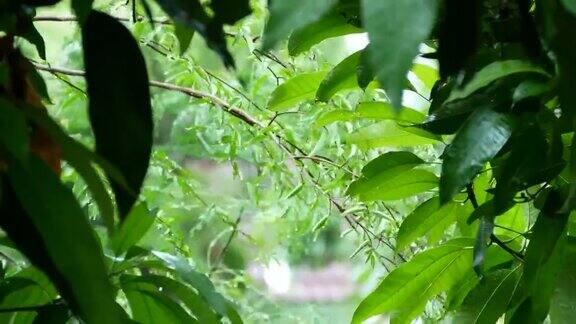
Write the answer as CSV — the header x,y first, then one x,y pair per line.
x,y
364,71
544,257
53,315
395,38
82,9
485,230
230,11
289,15
407,288
119,103
69,241
184,35
132,229
152,307
493,72
489,300
183,293
342,76
563,304
81,159
202,284
480,138
13,130
456,48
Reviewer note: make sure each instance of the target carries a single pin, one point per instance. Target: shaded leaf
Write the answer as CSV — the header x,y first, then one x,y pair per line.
x,y
69,240
493,72
390,25
13,130
187,296
490,298
132,229
456,48
119,103
82,9
153,307
480,138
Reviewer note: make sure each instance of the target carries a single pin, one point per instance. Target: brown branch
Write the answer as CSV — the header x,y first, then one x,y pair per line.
x,y
234,111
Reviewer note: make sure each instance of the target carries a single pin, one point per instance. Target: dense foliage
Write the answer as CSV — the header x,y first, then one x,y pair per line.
x,y
444,147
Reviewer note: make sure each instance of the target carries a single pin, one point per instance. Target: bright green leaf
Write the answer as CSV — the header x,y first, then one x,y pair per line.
x,y
132,229
296,90
407,288
388,133
342,76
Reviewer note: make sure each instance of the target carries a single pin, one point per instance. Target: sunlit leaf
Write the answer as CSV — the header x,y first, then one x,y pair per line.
x,y
342,76
407,288
427,217
388,133
296,90
132,229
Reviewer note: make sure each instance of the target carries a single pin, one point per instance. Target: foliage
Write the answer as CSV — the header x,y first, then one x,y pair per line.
x,y
455,124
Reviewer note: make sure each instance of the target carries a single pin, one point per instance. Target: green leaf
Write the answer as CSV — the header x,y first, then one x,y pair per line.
x,y
296,90
480,138
289,15
383,111
407,288
428,217
342,76
395,38
56,314
386,186
28,287
331,25
13,130
202,284
364,71
153,307
493,72
119,103
81,159
490,298
132,229
184,294
191,14
388,133
69,241
485,230
563,304
82,9
456,48
543,260
184,35
230,11
570,5
371,110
